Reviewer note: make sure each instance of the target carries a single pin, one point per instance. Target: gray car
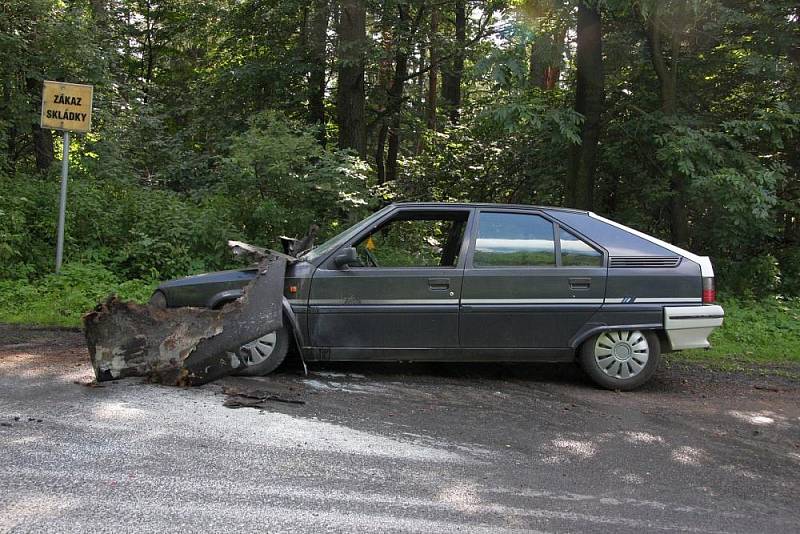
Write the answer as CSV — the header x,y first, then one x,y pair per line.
x,y
482,282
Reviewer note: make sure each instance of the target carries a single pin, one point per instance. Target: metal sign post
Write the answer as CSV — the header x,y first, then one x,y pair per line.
x,y
67,107
62,205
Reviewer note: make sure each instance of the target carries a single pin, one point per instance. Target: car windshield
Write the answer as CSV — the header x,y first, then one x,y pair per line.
x,y
339,239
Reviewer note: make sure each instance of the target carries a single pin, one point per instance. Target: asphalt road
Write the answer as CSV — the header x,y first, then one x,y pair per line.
x,y
382,448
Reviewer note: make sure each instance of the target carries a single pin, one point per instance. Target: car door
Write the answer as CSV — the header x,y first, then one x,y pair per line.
x,y
528,283
403,296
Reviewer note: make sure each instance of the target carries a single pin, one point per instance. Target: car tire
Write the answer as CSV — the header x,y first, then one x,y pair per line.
x,y
265,354
621,359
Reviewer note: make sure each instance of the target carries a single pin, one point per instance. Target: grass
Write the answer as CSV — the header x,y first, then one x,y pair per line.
x,y
61,300
754,332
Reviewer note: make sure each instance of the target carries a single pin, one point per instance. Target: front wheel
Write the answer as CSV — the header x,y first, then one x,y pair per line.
x,y
621,359
265,354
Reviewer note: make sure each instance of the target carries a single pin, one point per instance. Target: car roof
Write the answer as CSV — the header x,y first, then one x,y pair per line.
x,y
484,205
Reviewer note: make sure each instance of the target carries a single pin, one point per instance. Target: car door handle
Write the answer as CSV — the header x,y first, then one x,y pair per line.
x,y
580,283
439,284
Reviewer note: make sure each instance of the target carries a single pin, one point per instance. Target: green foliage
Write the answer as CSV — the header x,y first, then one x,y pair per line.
x,y
755,331
753,277
505,151
278,179
61,300
135,233
789,266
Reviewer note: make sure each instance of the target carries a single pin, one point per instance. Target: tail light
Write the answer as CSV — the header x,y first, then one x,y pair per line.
x,y
709,293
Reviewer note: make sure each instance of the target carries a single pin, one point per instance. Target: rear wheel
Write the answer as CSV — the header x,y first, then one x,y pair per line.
x,y
621,359
265,354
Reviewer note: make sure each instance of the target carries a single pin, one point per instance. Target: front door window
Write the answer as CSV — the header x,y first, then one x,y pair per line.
x,y
414,240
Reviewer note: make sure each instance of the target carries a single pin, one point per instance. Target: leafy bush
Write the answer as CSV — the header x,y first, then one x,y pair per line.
x,y
61,300
755,277
789,262
134,232
277,180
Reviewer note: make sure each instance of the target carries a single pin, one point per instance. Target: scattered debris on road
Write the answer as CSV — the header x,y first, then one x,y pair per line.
x,y
254,398
184,346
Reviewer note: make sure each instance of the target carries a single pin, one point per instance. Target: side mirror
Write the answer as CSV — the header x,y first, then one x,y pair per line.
x,y
346,257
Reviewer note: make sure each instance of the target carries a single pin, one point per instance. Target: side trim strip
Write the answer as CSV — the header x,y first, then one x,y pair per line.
x,y
423,302
436,302
646,300
387,302
531,301
682,317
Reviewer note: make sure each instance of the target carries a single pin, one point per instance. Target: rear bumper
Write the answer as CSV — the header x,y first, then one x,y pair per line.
x,y
688,327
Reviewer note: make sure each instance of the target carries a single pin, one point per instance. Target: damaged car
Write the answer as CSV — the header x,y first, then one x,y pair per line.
x,y
479,282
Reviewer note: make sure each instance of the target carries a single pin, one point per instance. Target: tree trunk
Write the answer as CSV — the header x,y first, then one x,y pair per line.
x,y
433,73
589,97
148,61
99,11
390,124
668,81
42,139
381,100
350,95
451,76
380,150
317,61
395,101
546,59
43,148
11,130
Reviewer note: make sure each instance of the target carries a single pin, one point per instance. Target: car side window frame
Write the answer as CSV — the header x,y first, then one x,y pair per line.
x,y
595,245
603,252
470,212
474,239
557,225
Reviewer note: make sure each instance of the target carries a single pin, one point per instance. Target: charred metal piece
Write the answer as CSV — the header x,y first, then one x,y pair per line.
x,y
294,247
184,346
255,398
307,242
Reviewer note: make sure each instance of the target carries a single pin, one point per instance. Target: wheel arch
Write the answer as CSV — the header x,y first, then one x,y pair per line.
x,y
220,299
593,330
224,297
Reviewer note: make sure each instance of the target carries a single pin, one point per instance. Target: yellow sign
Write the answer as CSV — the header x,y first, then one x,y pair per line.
x,y
67,106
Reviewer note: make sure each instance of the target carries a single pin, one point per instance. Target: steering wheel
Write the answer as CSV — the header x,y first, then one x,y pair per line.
x,y
371,257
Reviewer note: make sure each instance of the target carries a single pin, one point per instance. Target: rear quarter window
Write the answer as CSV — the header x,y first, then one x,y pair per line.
x,y
575,252
615,240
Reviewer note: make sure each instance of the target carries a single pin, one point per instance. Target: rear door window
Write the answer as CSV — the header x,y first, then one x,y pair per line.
x,y
514,240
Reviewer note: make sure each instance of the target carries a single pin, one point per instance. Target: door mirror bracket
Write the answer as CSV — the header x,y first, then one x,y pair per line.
x,y
346,257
